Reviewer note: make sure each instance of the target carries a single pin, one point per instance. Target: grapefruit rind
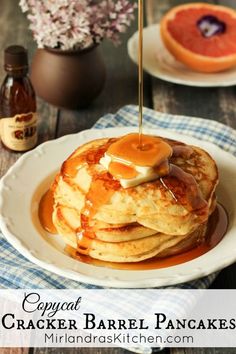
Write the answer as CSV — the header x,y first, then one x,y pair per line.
x,y
193,60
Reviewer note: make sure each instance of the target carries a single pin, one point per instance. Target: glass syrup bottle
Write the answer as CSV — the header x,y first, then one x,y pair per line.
x,y
18,118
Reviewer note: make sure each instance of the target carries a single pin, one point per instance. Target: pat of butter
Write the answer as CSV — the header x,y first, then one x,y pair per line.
x,y
145,174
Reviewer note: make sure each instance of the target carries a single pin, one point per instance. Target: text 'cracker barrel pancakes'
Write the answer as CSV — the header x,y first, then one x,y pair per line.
x,y
115,200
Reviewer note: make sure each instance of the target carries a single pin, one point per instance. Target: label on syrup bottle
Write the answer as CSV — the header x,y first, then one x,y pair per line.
x,y
19,133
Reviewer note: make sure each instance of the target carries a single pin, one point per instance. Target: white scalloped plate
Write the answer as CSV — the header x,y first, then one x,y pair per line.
x,y
24,183
158,62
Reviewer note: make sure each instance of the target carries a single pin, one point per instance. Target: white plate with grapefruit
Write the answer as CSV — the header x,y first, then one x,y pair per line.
x,y
201,52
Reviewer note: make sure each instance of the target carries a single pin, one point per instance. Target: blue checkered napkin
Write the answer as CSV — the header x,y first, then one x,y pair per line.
x,y
17,272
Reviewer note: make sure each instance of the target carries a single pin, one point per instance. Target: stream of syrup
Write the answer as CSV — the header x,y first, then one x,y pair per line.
x,y
103,185
140,69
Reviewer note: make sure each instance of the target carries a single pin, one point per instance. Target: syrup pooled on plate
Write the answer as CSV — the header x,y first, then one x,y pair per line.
x,y
45,212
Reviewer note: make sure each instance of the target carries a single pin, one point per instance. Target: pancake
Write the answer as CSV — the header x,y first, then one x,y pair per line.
x,y
94,214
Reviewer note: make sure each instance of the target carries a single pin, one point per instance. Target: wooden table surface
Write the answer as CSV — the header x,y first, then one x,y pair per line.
x,y
121,89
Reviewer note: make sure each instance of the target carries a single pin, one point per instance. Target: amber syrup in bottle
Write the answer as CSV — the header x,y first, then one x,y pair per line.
x,y
18,118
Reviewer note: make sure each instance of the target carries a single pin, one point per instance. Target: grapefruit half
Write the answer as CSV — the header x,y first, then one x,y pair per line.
x,y
202,36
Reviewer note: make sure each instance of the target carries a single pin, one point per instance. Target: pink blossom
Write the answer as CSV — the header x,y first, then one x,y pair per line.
x,y
72,24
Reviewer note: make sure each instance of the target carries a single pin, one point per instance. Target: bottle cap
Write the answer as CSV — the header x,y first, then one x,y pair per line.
x,y
15,58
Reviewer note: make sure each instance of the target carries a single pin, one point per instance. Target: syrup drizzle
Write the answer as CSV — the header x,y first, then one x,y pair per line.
x,y
102,186
90,157
184,189
101,189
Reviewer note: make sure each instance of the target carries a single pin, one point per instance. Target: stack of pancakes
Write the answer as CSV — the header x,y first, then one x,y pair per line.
x,y
133,224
